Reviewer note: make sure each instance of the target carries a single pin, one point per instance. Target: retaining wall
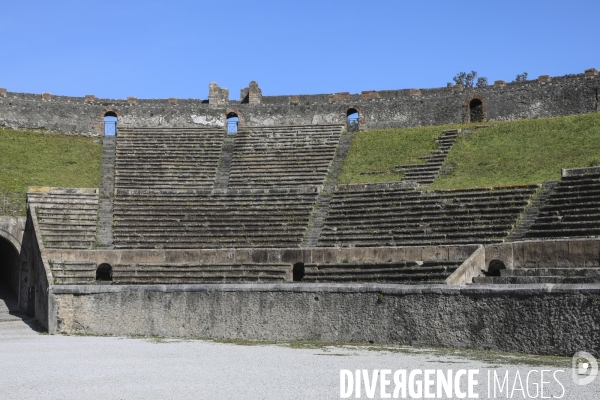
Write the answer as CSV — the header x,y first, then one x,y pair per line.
x,y
536,319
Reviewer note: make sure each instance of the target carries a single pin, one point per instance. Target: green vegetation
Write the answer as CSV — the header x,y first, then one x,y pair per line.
x,y
506,153
44,159
523,152
381,150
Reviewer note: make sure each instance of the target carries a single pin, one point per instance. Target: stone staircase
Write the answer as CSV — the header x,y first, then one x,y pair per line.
x,y
67,217
179,219
396,215
73,272
425,174
169,158
572,209
527,218
104,236
542,275
317,218
405,272
224,169
283,155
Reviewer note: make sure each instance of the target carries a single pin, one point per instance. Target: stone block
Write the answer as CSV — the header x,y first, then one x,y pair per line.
x,y
532,253
172,100
181,256
90,97
591,72
499,83
274,256
46,96
458,87
224,256
316,256
132,100
242,256
584,253
415,92
388,254
413,253
502,252
207,257
292,256
294,100
2,92
544,78
343,96
369,95
434,253
518,255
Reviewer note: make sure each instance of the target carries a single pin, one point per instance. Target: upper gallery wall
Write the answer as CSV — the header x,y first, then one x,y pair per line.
x,y
540,98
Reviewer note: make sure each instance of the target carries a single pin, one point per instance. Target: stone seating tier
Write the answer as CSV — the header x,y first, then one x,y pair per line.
x,y
401,216
571,210
283,156
67,218
405,272
148,158
84,273
542,275
212,219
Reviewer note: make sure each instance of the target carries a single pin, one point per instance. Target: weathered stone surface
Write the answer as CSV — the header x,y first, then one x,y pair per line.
x,y
540,319
566,95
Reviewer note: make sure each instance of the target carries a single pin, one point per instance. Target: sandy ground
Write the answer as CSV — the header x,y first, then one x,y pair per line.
x,y
35,365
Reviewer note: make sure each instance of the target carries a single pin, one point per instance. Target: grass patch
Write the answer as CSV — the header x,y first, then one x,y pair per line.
x,y
507,153
523,152
385,148
44,159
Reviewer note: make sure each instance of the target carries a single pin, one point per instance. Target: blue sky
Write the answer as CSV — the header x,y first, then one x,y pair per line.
x,y
159,49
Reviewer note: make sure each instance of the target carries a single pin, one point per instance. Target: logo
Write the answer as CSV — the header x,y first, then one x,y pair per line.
x,y
585,368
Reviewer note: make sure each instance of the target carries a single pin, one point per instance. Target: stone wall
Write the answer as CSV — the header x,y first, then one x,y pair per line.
x,y
535,319
575,253
545,97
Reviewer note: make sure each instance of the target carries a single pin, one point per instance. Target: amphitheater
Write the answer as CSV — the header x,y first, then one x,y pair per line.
x,y
201,229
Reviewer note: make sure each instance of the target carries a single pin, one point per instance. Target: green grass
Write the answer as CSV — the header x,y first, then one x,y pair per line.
x,y
383,149
44,159
507,153
523,152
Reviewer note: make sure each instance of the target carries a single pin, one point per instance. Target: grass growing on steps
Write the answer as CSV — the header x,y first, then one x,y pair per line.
x,y
522,152
507,153
383,149
44,159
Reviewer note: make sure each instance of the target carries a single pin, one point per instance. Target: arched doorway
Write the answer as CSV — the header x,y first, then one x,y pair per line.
x,y
104,274
352,122
232,123
476,113
9,275
110,123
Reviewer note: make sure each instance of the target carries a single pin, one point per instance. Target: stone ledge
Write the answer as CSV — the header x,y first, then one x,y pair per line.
x,y
399,289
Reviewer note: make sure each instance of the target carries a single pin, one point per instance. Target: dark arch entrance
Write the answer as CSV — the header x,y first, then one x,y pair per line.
x,y
104,273
110,123
9,270
476,111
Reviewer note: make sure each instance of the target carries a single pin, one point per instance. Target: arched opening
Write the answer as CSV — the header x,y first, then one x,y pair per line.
x,y
104,273
232,123
9,274
298,272
495,267
110,124
352,123
476,111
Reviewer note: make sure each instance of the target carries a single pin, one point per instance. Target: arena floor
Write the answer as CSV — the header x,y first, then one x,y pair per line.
x,y
36,365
